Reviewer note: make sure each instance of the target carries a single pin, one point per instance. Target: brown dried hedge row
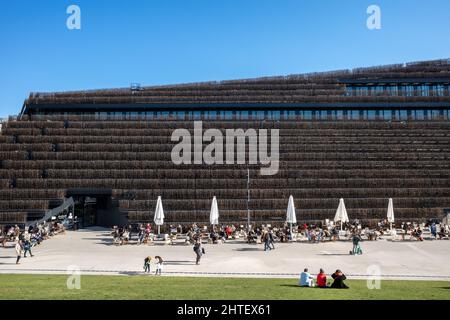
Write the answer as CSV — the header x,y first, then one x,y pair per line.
x,y
24,205
228,183
298,194
12,194
25,147
13,217
24,174
315,141
291,166
277,204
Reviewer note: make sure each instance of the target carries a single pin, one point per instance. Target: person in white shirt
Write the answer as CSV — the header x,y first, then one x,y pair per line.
x,y
18,250
306,280
159,265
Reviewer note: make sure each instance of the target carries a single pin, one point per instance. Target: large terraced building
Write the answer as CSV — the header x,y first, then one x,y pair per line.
x,y
364,135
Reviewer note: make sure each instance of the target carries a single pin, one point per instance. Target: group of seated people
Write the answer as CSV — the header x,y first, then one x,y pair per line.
x,y
440,231
122,235
258,235
31,236
314,233
222,233
218,234
9,234
317,234
338,278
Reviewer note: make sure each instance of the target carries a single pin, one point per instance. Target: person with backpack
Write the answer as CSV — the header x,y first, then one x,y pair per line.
x,y
356,247
27,248
147,261
199,251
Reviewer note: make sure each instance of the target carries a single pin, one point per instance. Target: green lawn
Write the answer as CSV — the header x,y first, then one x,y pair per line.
x,y
151,287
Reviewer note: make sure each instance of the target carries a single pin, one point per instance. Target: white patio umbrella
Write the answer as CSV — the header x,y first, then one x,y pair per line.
x,y
214,214
390,212
159,215
341,213
291,218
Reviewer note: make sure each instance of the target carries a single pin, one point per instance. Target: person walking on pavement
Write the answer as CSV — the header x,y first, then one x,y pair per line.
x,y
265,238
18,251
27,248
199,251
271,240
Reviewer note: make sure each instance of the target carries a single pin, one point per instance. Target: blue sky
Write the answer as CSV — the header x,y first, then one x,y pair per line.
x,y
177,41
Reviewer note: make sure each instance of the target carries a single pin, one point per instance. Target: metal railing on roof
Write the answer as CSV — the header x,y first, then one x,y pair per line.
x,y
304,76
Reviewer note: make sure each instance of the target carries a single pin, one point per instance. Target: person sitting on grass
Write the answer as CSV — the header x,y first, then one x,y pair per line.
x,y
306,280
322,279
338,282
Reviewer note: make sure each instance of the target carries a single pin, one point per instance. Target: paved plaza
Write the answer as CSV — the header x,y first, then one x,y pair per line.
x,y
93,252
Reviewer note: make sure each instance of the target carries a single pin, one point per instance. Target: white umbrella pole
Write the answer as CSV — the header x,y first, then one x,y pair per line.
x,y
159,230
291,233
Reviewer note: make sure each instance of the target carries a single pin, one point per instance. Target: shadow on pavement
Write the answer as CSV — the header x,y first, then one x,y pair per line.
x,y
248,249
333,254
179,263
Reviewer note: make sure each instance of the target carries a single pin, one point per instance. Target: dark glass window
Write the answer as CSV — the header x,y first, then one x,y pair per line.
x,y
409,91
403,115
276,115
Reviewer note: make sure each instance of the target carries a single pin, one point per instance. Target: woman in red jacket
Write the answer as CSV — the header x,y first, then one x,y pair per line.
x,y
322,279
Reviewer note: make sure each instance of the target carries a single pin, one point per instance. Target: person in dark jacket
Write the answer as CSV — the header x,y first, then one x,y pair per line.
x,y
198,251
27,248
271,240
356,246
338,282
147,261
265,238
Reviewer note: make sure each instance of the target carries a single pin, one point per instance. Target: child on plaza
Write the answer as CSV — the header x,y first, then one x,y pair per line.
x,y
159,265
147,261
